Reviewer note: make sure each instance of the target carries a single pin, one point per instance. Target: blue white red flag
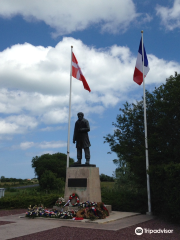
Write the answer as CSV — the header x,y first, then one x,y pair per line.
x,y
138,72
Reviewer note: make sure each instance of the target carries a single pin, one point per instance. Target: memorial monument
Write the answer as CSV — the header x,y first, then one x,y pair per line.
x,y
81,139
83,179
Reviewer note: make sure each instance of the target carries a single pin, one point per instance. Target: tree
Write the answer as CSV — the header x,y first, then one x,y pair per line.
x,y
49,181
124,177
3,179
163,126
56,163
106,178
128,139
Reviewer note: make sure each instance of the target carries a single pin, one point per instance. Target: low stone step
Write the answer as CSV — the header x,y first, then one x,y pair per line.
x,y
68,208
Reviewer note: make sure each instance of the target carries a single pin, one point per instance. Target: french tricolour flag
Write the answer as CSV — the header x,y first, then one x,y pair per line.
x,y
138,72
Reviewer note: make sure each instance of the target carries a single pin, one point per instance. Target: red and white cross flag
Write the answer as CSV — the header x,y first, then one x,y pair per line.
x,y
77,73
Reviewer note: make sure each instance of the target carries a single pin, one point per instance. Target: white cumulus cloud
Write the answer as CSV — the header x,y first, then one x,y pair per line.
x,y
26,145
17,124
35,90
53,144
66,16
170,17
43,145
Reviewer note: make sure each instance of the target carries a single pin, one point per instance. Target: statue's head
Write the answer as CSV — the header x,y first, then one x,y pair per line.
x,y
80,115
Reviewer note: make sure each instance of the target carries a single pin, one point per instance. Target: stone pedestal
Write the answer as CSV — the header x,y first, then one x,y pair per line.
x,y
85,182
67,208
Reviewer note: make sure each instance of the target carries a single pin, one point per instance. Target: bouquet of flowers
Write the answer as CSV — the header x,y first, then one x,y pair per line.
x,y
87,204
41,212
60,202
67,214
34,212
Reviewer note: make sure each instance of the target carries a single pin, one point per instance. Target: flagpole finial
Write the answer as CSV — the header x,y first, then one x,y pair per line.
x,y
142,31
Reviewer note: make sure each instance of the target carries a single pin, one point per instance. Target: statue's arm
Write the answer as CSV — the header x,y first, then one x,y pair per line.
x,y
87,128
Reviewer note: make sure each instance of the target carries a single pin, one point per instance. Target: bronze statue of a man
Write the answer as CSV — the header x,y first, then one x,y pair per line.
x,y
81,138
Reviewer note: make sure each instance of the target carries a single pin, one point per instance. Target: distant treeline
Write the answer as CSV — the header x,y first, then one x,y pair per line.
x,y
4,179
106,178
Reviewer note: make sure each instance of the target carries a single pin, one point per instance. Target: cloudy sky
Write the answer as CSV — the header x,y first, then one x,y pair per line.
x,y
35,52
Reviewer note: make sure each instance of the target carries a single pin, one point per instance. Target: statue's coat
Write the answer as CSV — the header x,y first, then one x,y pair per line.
x,y
81,137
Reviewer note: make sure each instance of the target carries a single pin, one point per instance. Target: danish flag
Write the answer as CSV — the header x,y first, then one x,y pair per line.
x,y
77,73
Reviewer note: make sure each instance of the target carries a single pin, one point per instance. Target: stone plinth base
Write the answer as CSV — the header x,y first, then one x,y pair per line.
x,y
85,182
82,165
67,208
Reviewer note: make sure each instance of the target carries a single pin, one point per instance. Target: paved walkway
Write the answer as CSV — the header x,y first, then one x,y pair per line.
x,y
23,226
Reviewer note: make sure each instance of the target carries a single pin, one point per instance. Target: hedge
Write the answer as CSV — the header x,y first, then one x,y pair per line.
x,y
165,191
24,201
125,199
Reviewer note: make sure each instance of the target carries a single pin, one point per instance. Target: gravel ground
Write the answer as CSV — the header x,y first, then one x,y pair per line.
x,y
5,222
67,233
12,212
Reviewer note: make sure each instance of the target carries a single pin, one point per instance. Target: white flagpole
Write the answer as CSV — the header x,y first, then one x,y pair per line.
x,y
146,141
69,110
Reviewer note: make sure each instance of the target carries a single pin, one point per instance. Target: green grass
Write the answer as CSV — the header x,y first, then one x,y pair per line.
x,y
11,192
16,184
34,191
109,185
22,198
121,198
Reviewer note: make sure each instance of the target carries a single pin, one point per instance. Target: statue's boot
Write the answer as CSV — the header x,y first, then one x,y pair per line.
x,y
87,162
78,162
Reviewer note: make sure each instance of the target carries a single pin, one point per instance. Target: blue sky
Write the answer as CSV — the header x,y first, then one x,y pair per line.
x,y
35,48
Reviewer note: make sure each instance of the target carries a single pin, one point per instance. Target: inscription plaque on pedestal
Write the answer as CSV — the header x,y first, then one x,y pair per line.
x,y
77,182
85,182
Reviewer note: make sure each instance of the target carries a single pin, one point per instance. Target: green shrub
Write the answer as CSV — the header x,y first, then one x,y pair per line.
x,y
129,200
9,189
18,201
49,181
165,185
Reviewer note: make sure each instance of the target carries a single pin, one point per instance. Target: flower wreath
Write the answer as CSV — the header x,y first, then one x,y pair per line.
x,y
74,195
